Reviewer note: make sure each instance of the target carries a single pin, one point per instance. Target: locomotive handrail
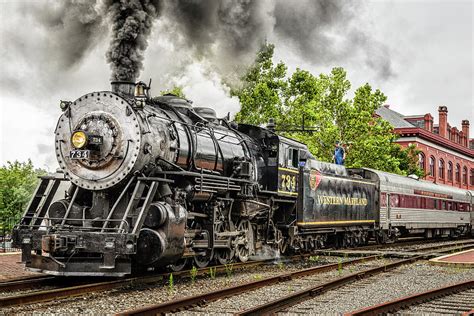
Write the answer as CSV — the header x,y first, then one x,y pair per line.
x,y
136,196
171,164
71,203
155,179
216,145
196,174
70,219
50,177
146,205
117,202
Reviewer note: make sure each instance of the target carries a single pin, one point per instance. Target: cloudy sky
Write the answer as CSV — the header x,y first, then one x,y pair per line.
x,y
419,53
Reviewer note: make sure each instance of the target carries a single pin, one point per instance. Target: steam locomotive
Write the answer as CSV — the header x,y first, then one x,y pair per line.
x,y
149,182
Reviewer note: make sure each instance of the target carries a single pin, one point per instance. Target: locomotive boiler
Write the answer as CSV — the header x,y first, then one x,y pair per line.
x,y
144,174
148,182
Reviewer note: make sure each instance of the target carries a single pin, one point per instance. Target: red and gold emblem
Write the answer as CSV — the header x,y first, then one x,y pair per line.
x,y
314,179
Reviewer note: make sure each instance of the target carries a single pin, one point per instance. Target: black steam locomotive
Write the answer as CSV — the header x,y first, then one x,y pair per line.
x,y
152,182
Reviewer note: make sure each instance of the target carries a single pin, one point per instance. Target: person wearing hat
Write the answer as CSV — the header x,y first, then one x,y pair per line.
x,y
339,154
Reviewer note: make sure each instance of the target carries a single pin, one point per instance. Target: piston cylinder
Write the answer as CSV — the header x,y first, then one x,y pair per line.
x,y
57,211
157,215
165,244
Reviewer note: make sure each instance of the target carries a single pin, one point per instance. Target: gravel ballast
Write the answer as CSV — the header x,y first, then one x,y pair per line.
x,y
111,302
236,303
403,281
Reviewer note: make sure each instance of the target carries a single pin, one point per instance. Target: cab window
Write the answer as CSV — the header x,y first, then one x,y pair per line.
x,y
293,157
282,155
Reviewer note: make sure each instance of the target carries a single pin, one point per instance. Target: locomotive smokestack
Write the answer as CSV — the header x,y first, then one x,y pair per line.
x,y
123,88
132,21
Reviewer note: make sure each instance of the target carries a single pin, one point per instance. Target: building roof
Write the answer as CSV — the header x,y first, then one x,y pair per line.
x,y
396,119
405,128
414,116
434,138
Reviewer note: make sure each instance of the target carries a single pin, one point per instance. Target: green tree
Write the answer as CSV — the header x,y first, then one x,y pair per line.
x,y
409,161
176,90
263,86
18,181
322,103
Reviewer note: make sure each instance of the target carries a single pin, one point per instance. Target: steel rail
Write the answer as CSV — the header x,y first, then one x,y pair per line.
x,y
188,302
18,284
78,290
447,250
453,246
408,241
397,304
55,294
400,242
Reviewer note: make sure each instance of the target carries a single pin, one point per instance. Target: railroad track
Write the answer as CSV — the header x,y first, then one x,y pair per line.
x,y
41,281
24,283
414,245
296,297
47,280
83,289
454,299
397,251
401,242
453,246
198,300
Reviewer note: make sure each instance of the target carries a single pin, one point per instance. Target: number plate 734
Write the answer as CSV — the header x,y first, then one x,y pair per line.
x,y
79,154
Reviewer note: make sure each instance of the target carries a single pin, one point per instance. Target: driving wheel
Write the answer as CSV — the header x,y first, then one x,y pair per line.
x,y
224,255
244,241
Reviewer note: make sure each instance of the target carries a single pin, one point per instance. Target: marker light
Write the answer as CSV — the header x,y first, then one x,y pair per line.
x,y
79,139
64,105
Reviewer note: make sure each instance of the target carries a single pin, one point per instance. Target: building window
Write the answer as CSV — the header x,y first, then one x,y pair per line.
x,y
471,177
421,161
450,171
441,168
458,173
464,175
432,166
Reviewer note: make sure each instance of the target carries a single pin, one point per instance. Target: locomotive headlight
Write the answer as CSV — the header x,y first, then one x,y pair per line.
x,y
79,139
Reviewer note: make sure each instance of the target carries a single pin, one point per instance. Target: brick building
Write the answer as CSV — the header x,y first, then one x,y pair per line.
x,y
447,152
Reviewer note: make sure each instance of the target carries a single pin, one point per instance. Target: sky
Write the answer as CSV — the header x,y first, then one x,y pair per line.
x,y
418,52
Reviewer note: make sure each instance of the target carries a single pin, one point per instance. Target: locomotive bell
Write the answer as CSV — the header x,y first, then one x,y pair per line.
x,y
141,90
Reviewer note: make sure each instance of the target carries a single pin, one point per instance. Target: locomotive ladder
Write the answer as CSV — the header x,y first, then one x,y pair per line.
x,y
41,200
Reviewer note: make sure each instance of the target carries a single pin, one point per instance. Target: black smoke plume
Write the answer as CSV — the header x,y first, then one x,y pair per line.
x,y
237,27
226,33
132,21
322,31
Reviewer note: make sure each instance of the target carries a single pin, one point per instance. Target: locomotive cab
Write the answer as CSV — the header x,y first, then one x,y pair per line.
x,y
291,156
